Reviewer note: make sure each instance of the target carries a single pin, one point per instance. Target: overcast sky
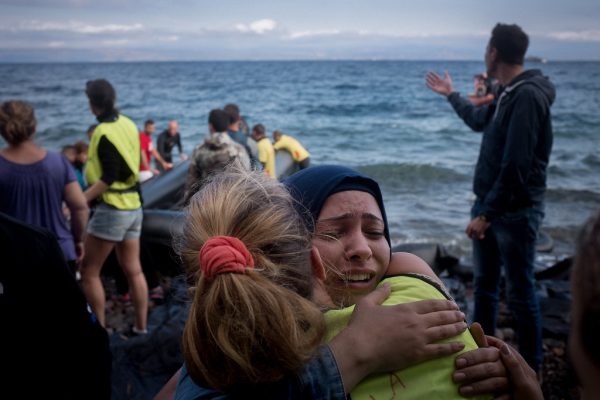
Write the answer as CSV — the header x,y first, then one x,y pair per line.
x,y
130,30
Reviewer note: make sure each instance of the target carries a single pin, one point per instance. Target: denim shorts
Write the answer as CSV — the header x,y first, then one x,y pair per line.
x,y
108,223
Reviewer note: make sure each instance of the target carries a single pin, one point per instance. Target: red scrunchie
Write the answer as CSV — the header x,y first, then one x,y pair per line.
x,y
221,254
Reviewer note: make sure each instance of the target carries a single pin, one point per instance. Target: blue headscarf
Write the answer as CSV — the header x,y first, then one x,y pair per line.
x,y
312,186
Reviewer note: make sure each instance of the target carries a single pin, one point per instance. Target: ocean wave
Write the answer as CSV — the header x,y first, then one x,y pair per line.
x,y
346,86
557,171
572,195
47,89
592,160
361,109
576,119
56,137
407,173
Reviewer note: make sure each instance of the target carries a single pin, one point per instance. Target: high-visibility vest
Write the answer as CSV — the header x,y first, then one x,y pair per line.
x,y
123,134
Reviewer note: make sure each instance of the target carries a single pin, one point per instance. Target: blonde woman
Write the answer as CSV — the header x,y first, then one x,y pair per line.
x,y
252,327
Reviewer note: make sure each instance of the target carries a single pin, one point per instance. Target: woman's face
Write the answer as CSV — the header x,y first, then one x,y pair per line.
x,y
350,239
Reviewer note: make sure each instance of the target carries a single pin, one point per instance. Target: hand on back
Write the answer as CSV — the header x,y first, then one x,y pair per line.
x,y
390,338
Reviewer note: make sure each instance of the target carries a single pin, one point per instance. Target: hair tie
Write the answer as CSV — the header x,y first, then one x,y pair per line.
x,y
222,254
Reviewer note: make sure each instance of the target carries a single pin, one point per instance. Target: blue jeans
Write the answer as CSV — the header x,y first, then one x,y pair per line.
x,y
510,243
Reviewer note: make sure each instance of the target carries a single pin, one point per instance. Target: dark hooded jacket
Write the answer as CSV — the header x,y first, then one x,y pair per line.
x,y
516,144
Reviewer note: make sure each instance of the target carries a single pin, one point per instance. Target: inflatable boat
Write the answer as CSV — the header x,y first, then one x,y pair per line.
x,y
163,216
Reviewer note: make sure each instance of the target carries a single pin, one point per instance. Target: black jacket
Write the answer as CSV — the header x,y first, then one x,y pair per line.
x,y
165,144
516,144
51,346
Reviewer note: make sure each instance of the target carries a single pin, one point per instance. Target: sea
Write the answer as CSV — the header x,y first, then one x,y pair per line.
x,y
375,116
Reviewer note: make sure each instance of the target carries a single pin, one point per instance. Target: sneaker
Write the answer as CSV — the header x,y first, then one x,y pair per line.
x,y
133,332
157,294
138,332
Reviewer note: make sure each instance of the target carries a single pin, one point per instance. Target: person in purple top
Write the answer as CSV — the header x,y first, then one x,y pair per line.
x,y
34,182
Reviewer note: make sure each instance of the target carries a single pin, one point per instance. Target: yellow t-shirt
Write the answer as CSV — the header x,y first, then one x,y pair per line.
x,y
266,155
431,380
294,147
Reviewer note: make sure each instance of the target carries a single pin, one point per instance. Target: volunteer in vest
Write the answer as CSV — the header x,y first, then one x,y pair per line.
x,y
266,153
285,142
112,173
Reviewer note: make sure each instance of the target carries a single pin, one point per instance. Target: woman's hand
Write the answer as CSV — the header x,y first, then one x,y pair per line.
x,y
495,369
389,338
523,379
480,371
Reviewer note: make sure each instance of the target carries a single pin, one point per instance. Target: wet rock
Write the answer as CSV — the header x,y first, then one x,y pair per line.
x,y
143,364
435,255
458,291
559,270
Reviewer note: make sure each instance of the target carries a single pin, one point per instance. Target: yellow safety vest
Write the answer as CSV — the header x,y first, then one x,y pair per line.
x,y
431,380
123,134
294,147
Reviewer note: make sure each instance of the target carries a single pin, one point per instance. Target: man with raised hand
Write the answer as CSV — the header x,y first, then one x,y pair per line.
x,y
509,182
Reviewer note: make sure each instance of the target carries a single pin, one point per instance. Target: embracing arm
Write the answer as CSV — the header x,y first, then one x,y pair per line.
x,y
407,336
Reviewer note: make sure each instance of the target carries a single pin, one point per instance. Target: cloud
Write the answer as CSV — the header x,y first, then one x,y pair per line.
x,y
75,27
57,44
116,42
260,26
308,34
363,34
168,39
574,36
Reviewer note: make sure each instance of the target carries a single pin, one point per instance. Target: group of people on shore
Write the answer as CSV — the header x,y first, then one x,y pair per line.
x,y
227,140
106,174
295,290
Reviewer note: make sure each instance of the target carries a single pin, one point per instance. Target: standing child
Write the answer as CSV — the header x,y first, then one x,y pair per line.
x,y
81,150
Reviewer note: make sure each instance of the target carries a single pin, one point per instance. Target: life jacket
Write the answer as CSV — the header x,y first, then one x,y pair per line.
x,y
123,134
431,380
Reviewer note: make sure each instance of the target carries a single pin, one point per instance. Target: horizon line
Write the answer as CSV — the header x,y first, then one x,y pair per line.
x,y
280,60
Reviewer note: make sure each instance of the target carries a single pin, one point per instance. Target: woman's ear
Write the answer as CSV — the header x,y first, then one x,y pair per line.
x,y
320,295
317,264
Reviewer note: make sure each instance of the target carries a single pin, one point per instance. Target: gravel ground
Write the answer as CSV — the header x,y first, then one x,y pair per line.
x,y
558,380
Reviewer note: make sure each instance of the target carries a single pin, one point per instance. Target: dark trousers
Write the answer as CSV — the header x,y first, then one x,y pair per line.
x,y
304,163
510,243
